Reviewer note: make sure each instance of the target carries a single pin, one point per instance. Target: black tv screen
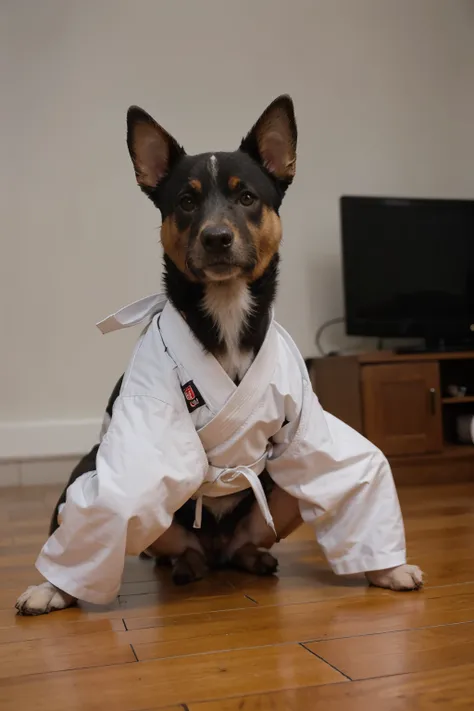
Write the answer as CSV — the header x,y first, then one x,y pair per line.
x,y
408,267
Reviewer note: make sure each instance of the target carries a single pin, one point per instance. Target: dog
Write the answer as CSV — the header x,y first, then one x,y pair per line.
x,y
221,234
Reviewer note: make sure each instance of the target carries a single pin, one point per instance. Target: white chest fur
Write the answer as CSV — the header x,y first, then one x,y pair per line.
x,y
230,304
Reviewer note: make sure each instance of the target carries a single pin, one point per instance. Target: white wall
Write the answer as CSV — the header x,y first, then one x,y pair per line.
x,y
384,99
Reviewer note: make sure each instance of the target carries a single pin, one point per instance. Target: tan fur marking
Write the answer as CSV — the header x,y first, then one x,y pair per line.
x,y
175,244
196,185
234,182
266,238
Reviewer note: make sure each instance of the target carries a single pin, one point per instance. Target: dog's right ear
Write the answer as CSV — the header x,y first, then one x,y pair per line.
x,y
152,150
272,141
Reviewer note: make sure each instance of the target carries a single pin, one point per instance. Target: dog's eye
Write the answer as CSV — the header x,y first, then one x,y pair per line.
x,y
187,203
246,199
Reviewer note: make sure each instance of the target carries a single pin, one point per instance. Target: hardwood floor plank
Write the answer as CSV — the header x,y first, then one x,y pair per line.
x,y
9,595
143,613
212,586
133,687
379,611
448,690
17,560
57,654
286,588
55,627
36,538
435,499
165,590
24,527
152,606
400,652
138,608
47,493
444,568
16,550
23,577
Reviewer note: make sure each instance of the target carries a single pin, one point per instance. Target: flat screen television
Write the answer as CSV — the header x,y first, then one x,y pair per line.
x,y
408,268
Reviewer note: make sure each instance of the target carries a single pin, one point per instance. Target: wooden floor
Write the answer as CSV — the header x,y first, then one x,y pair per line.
x,y
302,640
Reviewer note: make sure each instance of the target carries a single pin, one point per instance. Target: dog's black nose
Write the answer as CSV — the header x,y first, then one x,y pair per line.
x,y
216,239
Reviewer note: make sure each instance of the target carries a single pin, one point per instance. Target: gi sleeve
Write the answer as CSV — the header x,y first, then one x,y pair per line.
x,y
345,490
149,463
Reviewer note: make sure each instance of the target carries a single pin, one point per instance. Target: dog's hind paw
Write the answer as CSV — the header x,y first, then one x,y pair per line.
x,y
403,577
44,598
254,560
189,567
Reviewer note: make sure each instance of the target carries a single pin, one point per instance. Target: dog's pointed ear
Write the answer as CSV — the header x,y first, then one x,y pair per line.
x,y
152,150
272,141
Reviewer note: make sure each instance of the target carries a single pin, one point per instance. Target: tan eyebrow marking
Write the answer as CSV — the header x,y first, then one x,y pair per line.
x,y
196,185
234,182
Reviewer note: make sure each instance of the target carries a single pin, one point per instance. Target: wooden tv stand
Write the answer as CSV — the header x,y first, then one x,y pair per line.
x,y
400,402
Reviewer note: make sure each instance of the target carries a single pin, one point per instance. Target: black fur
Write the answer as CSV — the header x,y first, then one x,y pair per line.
x,y
263,291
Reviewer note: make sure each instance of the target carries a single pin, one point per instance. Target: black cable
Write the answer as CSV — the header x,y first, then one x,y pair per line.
x,y
320,331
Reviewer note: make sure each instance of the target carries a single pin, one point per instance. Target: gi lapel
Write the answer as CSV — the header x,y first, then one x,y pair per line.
x,y
232,404
210,378
246,397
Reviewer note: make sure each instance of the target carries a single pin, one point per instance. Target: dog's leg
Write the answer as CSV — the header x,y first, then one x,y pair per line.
x,y
44,598
253,533
403,577
177,543
186,552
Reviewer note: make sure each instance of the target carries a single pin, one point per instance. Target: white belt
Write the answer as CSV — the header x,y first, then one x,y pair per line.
x,y
226,481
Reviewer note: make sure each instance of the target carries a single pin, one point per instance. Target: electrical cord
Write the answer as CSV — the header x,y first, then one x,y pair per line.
x,y
320,331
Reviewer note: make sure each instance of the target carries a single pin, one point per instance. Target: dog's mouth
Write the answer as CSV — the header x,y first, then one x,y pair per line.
x,y
219,268
221,271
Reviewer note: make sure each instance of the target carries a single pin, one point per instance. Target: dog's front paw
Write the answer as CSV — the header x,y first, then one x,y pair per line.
x,y
41,599
404,577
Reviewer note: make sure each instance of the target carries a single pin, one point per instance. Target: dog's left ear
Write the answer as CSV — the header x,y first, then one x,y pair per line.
x,y
272,141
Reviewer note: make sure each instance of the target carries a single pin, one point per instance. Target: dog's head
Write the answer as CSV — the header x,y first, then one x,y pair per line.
x,y
219,210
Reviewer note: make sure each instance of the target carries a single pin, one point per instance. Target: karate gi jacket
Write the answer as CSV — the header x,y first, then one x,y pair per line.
x,y
181,429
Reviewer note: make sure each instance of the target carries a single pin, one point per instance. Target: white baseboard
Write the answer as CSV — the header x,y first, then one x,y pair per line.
x,y
47,438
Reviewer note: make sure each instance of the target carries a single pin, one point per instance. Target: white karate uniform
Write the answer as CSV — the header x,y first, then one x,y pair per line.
x,y
158,452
